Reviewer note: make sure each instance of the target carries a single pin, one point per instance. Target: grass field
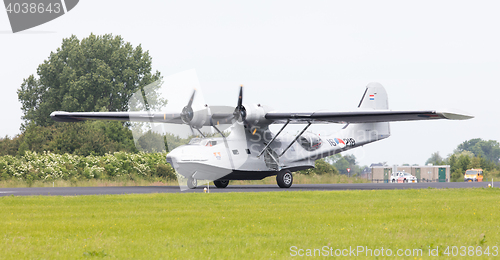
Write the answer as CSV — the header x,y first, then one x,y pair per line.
x,y
247,225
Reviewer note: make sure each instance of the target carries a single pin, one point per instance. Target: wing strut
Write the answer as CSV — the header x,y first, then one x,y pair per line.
x,y
200,132
294,140
225,143
269,151
272,140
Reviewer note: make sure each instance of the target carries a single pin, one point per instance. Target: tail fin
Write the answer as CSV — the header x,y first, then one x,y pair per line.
x,y
374,98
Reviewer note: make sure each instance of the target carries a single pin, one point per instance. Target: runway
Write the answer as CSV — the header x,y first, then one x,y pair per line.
x,y
76,191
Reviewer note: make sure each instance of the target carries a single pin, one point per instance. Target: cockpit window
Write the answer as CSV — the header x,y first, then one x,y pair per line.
x,y
195,141
211,143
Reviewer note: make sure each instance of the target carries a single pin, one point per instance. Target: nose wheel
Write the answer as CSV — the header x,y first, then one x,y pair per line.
x,y
192,183
284,179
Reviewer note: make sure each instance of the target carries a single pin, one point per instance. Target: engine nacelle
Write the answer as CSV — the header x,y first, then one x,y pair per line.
x,y
195,119
199,118
256,114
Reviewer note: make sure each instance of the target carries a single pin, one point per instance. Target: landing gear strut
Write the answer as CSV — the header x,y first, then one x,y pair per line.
x,y
284,179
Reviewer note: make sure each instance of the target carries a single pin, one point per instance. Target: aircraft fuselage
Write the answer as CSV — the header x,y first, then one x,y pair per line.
x,y
241,155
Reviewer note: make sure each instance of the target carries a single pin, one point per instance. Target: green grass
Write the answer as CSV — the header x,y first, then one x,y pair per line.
x,y
245,225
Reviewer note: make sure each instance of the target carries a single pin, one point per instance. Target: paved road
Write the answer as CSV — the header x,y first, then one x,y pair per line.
x,y
72,191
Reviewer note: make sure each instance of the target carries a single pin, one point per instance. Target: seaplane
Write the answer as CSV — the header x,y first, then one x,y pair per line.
x,y
244,147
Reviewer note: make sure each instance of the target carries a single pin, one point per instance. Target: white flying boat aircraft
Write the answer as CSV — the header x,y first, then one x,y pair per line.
x,y
251,151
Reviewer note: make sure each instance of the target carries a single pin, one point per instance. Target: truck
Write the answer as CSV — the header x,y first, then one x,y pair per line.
x,y
473,175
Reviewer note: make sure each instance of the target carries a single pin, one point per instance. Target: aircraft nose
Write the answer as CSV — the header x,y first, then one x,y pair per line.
x,y
171,160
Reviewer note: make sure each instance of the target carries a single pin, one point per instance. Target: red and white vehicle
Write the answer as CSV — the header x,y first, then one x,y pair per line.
x,y
401,177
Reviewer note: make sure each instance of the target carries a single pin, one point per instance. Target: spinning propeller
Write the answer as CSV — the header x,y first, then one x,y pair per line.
x,y
240,113
187,112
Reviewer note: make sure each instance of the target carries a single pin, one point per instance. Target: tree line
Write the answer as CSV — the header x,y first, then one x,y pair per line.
x,y
475,153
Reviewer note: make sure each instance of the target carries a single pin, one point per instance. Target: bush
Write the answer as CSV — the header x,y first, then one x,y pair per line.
x,y
49,166
165,171
321,167
457,176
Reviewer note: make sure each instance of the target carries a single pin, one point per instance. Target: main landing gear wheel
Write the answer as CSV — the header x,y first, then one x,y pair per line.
x,y
284,179
221,183
192,183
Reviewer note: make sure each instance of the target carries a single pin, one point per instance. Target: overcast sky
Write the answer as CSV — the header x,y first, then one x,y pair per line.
x,y
301,56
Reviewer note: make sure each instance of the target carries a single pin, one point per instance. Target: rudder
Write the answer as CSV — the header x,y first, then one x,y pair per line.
x,y
375,97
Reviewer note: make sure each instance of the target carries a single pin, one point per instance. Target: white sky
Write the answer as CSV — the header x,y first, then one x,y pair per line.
x,y
297,55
